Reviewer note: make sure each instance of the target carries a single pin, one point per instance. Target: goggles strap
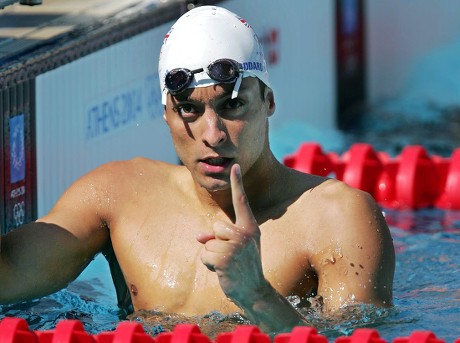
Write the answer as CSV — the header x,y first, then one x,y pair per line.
x,y
237,85
164,95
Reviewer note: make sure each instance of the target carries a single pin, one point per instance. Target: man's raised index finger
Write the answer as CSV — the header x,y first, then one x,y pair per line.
x,y
243,212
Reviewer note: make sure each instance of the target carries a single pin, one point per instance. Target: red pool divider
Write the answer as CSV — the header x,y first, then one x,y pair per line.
x,y
66,331
419,336
300,334
243,334
449,170
364,336
16,330
130,332
311,159
189,333
412,180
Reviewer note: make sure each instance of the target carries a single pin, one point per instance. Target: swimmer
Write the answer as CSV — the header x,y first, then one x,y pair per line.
x,y
232,228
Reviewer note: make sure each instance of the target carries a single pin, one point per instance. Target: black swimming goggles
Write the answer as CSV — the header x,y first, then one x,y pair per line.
x,y
223,71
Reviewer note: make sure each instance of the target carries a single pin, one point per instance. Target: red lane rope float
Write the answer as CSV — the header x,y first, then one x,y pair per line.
x,y
125,332
243,334
66,331
411,180
184,333
417,182
300,334
16,330
361,168
362,336
450,174
310,159
419,337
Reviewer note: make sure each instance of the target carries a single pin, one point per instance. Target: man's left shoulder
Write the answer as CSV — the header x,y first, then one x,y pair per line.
x,y
338,193
338,205
353,212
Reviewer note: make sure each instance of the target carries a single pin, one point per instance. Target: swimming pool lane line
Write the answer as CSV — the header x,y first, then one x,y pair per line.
x,y
412,180
16,330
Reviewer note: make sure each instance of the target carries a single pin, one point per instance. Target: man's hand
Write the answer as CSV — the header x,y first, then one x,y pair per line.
x,y
233,250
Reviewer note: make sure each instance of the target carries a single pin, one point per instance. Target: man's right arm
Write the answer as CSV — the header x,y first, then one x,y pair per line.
x,y
42,257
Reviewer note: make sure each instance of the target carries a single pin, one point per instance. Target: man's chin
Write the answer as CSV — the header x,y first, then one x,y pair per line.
x,y
215,190
216,186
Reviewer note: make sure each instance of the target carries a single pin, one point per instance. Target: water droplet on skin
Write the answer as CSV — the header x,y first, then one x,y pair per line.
x,y
330,260
133,289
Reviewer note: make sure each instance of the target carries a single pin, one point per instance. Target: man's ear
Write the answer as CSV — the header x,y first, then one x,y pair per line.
x,y
270,101
164,114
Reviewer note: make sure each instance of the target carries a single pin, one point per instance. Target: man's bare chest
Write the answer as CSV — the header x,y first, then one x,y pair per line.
x,y
161,260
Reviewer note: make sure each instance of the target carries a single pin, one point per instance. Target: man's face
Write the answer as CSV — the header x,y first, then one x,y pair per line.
x,y
211,131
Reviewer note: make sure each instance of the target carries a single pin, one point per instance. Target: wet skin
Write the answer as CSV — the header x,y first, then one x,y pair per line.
x,y
232,229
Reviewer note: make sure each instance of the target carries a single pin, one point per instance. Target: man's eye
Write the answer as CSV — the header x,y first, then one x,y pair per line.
x,y
187,112
186,109
233,104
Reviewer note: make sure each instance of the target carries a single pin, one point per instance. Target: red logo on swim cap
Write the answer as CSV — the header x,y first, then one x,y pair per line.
x,y
245,23
167,36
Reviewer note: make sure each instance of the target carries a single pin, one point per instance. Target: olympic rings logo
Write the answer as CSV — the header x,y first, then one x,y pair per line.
x,y
19,213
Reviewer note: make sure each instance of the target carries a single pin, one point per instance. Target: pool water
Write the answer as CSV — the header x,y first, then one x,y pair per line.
x,y
89,299
427,287
426,290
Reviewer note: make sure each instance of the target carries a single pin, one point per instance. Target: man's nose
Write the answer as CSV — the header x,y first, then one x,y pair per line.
x,y
214,133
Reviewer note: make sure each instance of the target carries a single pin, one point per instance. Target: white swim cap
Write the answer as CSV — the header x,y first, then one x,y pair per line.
x,y
206,34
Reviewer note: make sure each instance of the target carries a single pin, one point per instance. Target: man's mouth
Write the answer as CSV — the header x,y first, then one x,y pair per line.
x,y
216,164
217,161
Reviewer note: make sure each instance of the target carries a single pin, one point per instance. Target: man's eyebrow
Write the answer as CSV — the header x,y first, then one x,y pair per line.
x,y
183,96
